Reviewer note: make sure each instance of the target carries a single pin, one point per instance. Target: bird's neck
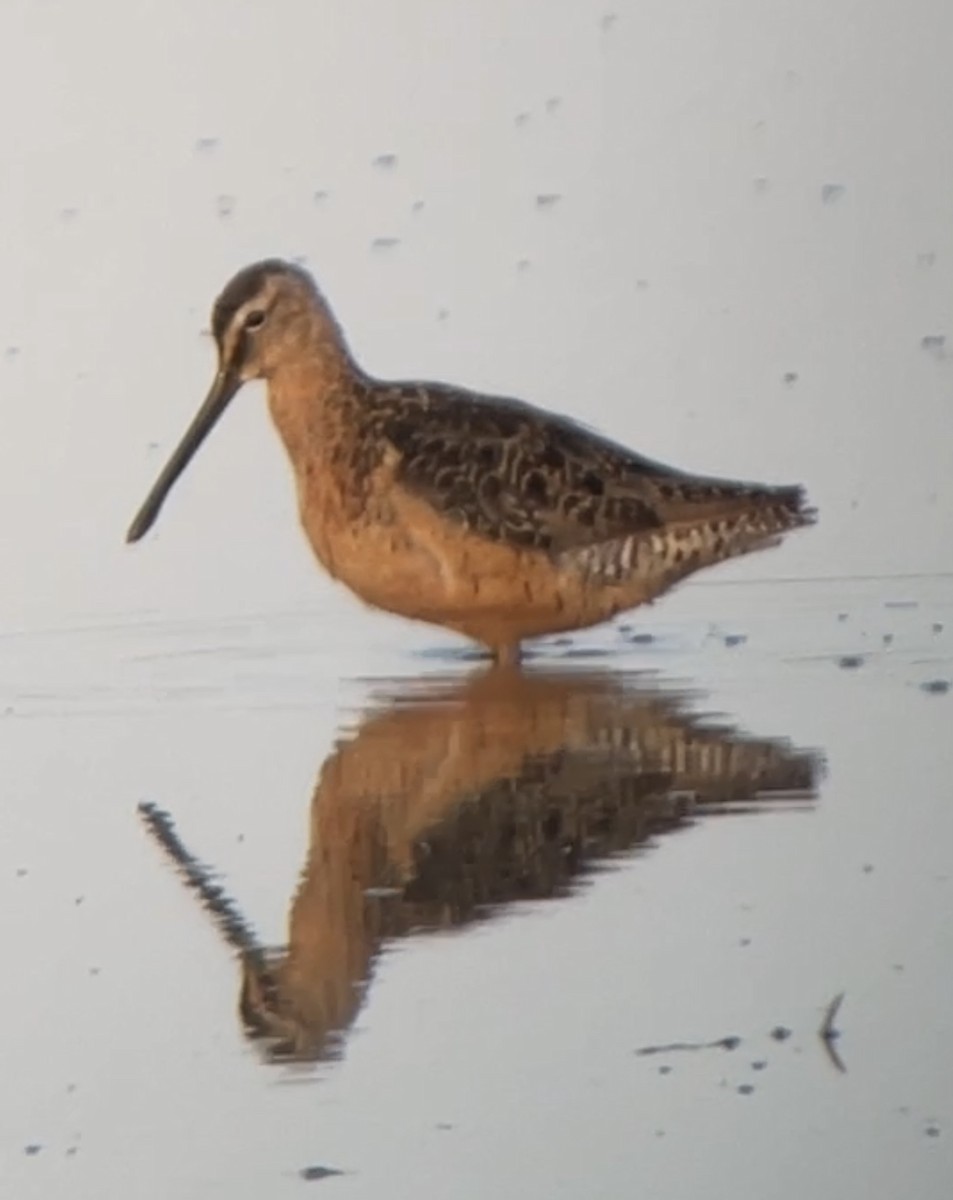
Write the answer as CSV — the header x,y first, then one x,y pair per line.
x,y
313,401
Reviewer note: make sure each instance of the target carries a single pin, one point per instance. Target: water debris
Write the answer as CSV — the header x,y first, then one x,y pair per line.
x,y
759,1064
789,377
829,1034
832,192
726,1043
320,196
937,627
32,1149
225,205
850,662
932,1130
926,259
385,243
417,206
935,687
68,214
744,1089
887,639
934,343
735,639
761,185
642,639
607,21
313,1174
442,314
901,604
548,199
205,145
385,162
780,1033
11,353
523,264
553,104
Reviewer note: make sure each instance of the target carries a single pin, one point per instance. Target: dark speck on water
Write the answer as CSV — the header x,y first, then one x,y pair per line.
x,y
205,145
850,662
759,1064
385,161
313,1174
385,243
548,199
745,1089
936,687
780,1033
832,192
933,343
937,627
735,639
320,196
225,205
32,1149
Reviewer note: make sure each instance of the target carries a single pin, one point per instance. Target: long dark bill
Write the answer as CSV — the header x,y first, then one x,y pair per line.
x,y
222,390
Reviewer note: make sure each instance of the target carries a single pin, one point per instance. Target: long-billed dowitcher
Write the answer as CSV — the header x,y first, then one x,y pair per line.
x,y
486,515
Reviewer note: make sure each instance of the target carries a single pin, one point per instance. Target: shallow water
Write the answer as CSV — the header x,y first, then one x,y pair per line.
x,y
294,895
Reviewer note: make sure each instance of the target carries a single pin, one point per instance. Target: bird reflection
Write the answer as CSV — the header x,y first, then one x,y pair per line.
x,y
453,801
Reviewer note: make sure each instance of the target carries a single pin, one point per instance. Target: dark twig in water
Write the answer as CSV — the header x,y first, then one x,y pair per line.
x,y
197,875
725,1043
829,1035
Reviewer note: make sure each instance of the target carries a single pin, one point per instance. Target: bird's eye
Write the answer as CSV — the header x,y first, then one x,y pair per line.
x,y
255,319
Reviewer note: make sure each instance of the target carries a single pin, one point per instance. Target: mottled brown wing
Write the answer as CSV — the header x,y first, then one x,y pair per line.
x,y
513,473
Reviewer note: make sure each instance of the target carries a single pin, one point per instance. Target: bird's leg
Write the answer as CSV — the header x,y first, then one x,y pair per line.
x,y
507,655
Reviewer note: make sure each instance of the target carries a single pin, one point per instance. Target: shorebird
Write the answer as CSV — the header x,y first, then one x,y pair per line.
x,y
485,515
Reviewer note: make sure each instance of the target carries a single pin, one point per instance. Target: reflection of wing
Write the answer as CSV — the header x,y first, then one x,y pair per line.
x,y
513,473
450,803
